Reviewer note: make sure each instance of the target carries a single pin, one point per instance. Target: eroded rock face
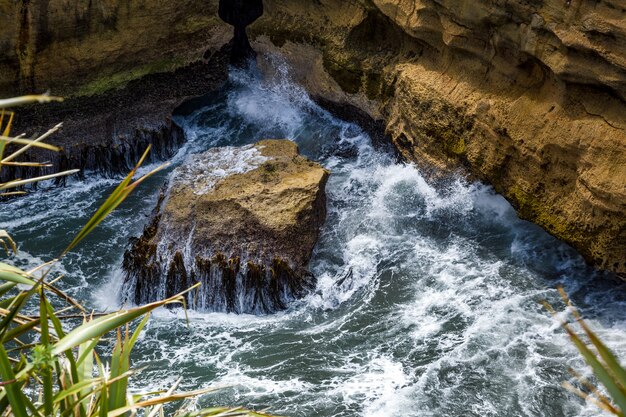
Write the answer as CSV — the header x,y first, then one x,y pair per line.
x,y
242,221
529,96
122,67
85,48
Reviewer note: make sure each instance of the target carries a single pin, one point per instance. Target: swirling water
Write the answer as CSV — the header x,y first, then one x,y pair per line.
x,y
427,295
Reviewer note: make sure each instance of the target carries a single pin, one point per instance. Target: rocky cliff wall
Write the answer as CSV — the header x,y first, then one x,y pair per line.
x,y
123,67
85,47
527,95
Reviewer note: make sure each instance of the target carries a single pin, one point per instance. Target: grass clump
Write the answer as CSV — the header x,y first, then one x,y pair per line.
x,y
50,362
605,366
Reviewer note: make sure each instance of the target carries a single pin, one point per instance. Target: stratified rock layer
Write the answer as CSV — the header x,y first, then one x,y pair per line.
x,y
529,96
242,221
78,47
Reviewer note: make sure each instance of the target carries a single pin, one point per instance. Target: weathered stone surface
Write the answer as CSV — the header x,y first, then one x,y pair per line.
x,y
123,69
529,96
243,221
85,48
109,132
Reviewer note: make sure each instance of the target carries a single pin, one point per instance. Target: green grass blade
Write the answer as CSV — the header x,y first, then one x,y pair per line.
x,y
5,324
8,125
131,343
5,303
15,275
159,400
104,401
45,341
118,195
116,397
87,384
58,328
4,405
157,408
29,404
6,140
85,367
30,145
4,236
85,354
18,331
19,101
607,356
6,287
599,370
96,328
19,183
120,364
3,145
14,394
105,324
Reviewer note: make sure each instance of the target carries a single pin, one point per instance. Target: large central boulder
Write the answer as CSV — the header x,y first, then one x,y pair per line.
x,y
242,221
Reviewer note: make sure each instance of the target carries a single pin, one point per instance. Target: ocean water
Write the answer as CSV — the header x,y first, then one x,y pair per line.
x,y
427,301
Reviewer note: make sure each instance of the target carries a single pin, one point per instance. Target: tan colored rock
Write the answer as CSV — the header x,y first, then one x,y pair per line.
x,y
527,96
242,221
83,48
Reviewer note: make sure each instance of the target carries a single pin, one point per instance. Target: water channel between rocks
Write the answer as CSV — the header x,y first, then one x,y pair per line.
x,y
427,295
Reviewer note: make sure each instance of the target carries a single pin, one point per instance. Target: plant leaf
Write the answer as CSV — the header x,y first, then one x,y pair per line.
x,y
105,324
14,394
12,274
599,370
19,183
18,101
118,195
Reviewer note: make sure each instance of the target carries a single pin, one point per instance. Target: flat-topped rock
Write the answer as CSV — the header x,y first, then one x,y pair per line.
x,y
243,221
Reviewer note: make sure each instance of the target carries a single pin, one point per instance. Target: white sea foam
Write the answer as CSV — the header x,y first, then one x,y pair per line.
x,y
379,384
202,171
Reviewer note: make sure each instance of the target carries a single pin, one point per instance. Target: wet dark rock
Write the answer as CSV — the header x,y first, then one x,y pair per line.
x,y
241,221
108,133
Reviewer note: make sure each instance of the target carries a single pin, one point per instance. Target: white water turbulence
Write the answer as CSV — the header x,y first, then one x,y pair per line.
x,y
427,294
208,173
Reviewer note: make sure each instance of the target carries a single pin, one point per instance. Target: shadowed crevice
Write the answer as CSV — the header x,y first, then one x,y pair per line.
x,y
240,14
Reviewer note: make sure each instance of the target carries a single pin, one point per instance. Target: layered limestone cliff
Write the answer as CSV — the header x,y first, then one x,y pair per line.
x,y
123,68
528,95
79,47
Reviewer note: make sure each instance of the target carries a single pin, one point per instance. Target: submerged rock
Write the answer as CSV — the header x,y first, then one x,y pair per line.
x,y
242,221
